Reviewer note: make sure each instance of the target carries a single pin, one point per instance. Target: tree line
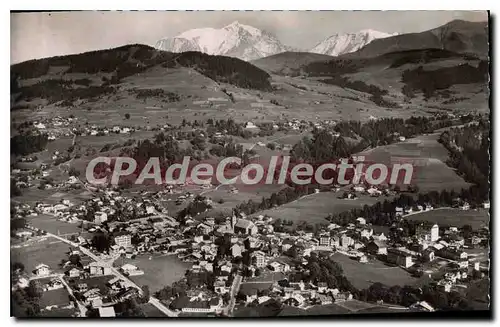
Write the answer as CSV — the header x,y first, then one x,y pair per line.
x,y
24,144
469,153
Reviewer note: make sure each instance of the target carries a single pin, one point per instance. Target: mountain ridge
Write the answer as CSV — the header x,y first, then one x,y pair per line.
x,y
342,43
457,36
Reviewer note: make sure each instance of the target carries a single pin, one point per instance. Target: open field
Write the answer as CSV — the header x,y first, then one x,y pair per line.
x,y
59,297
52,196
245,193
48,251
478,293
455,217
50,224
298,98
427,156
340,308
160,271
58,313
314,208
151,311
362,275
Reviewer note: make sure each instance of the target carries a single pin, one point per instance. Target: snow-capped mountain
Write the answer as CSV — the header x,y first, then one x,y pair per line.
x,y
339,44
234,40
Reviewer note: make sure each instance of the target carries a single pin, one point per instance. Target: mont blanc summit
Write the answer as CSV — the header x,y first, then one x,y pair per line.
x,y
234,40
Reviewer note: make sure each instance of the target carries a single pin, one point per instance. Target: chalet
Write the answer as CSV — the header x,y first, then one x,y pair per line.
x,y
381,237
53,284
374,192
335,241
455,240
287,244
428,255
465,206
127,294
473,241
82,287
107,312
324,299
91,295
322,287
324,239
358,188
204,228
263,299
252,242
366,233
42,270
220,287
361,221
74,272
279,266
226,267
24,234
363,258
250,125
342,296
346,241
444,285
376,247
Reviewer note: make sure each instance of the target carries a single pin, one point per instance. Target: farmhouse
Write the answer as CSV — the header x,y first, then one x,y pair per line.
x,y
74,272
42,270
250,125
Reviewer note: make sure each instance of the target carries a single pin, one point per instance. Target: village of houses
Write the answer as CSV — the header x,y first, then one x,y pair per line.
x,y
253,253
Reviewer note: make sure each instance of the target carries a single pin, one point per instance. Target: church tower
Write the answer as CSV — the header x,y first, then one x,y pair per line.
x,y
234,220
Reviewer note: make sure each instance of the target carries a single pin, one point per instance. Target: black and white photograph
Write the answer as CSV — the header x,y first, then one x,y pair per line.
x,y
250,164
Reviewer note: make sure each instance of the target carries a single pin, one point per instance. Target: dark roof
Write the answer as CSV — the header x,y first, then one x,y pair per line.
x,y
243,223
399,252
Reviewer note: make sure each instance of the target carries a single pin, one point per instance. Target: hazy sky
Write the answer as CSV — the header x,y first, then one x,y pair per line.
x,y
38,35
